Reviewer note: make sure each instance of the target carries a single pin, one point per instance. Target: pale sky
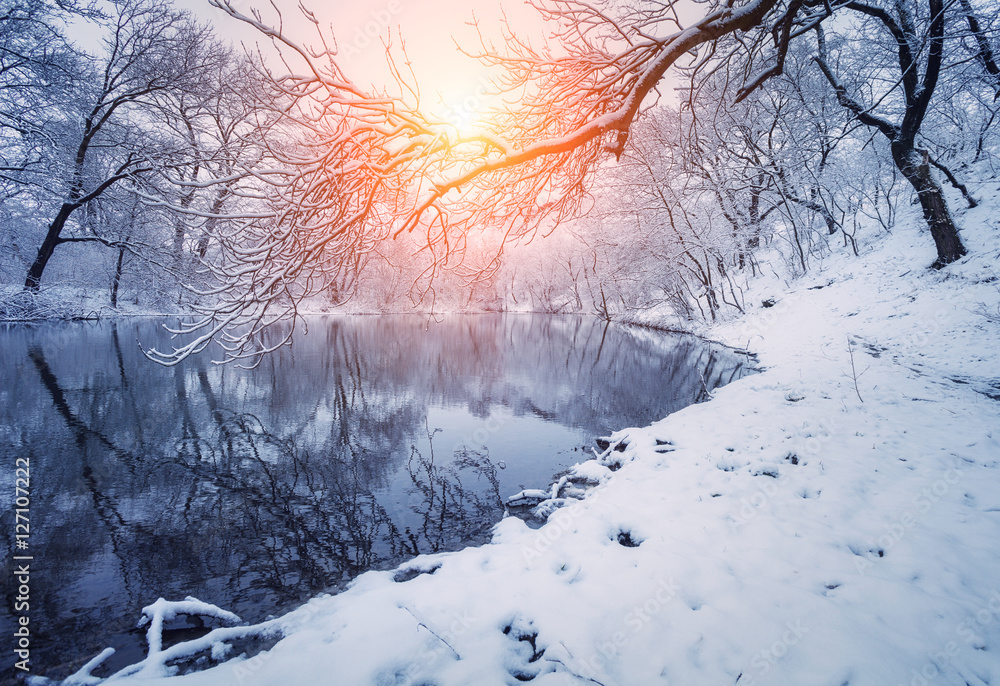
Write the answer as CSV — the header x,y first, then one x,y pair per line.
x,y
429,27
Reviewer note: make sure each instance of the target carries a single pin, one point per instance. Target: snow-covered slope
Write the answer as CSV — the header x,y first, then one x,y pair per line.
x,y
834,520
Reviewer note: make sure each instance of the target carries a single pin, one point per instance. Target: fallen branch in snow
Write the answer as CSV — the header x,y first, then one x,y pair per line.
x,y
572,485
83,676
527,497
706,392
155,663
610,445
165,610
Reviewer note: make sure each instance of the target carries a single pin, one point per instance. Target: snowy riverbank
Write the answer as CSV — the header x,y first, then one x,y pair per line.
x,y
833,520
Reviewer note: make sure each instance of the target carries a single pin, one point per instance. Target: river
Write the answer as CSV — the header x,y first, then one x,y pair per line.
x,y
370,440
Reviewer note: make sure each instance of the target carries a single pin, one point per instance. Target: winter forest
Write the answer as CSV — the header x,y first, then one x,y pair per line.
x,y
216,187
625,163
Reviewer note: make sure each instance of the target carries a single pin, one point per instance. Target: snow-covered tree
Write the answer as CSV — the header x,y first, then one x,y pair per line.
x,y
890,90
104,133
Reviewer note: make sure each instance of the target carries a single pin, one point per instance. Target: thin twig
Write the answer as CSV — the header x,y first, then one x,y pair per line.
x,y
854,371
570,671
433,633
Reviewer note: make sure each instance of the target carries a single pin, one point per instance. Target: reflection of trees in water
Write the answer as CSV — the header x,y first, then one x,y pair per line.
x,y
256,490
233,512
294,523
289,523
450,513
579,371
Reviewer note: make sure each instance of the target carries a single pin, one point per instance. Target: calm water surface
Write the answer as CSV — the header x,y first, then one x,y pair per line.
x,y
371,440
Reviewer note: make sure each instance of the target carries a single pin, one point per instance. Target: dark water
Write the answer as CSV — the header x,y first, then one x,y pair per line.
x,y
371,440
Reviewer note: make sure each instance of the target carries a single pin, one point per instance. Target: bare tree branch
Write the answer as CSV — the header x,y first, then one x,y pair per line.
x,y
356,168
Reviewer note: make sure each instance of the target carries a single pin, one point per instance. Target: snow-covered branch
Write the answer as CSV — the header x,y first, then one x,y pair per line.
x,y
363,167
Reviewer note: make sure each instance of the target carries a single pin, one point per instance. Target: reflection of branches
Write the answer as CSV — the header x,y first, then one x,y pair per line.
x,y
105,506
304,522
81,431
451,512
480,461
276,519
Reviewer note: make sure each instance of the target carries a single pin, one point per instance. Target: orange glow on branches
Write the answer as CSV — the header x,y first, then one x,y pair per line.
x,y
352,167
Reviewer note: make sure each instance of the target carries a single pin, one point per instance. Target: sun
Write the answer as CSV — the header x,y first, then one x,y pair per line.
x,y
464,122
465,105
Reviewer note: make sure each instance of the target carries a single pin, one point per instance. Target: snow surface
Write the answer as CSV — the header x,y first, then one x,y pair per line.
x,y
834,520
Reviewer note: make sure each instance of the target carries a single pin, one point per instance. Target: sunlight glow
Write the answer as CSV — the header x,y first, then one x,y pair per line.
x,y
465,122
465,104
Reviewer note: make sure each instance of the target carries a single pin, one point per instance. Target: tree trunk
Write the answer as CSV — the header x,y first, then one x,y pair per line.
x,y
180,233
914,163
986,57
33,280
209,229
117,279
